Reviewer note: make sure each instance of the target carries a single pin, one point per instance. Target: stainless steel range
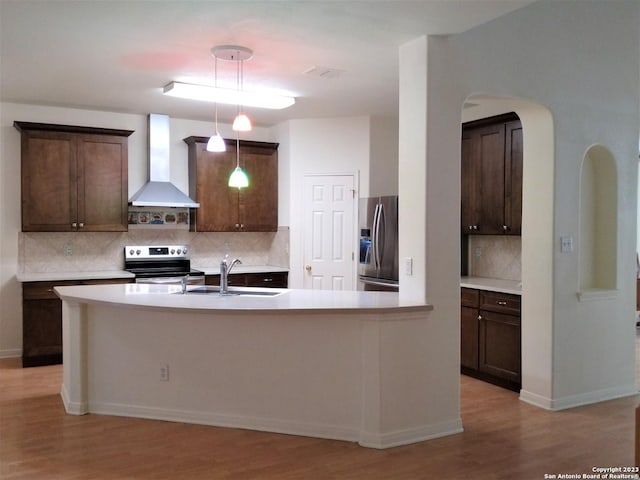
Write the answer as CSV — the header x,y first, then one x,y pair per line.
x,y
169,264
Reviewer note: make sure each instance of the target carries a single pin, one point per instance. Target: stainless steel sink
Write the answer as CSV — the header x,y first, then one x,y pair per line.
x,y
213,290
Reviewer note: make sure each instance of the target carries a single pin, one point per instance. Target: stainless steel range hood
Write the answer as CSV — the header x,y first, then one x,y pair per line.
x,y
159,191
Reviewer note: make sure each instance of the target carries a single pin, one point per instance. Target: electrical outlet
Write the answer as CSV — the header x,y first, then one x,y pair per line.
x,y
68,249
164,372
566,244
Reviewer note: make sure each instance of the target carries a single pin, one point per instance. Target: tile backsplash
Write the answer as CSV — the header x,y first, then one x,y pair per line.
x,y
495,256
94,251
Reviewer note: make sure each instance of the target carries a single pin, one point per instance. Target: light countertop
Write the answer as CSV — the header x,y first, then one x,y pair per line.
x,y
241,268
492,284
107,274
61,276
167,297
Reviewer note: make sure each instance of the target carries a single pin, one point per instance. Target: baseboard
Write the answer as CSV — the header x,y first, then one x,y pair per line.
x,y
72,408
11,353
334,432
572,401
410,435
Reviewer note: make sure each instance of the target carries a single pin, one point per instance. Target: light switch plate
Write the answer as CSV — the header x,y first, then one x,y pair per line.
x,y
408,266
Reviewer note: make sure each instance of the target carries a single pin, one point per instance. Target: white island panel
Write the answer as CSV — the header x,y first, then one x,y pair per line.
x,y
342,365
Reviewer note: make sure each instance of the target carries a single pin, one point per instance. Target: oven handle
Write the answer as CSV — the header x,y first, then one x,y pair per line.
x,y
191,280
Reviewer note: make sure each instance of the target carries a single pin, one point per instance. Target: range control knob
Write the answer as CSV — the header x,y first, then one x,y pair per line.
x,y
179,251
184,250
138,252
172,251
131,251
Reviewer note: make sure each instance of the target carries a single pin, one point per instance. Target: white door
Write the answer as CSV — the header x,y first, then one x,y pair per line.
x,y
328,229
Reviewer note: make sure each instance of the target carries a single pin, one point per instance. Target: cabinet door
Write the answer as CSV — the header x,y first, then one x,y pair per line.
x,y
490,147
218,210
470,184
469,337
41,332
499,353
513,178
49,171
102,183
258,205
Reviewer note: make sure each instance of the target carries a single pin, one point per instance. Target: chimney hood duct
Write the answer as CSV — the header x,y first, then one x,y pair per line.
x,y
159,191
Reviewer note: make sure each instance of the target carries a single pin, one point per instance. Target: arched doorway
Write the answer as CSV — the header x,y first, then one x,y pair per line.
x,y
537,238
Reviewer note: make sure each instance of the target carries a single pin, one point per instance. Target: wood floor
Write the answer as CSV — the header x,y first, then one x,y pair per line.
x,y
503,439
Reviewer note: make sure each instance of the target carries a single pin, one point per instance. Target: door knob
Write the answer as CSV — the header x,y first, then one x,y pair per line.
x,y
307,268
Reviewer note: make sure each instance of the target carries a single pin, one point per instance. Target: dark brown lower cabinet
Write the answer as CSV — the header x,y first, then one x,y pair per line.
x,y
269,279
499,346
42,321
490,344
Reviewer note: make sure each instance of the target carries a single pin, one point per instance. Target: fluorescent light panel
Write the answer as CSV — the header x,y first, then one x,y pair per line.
x,y
228,96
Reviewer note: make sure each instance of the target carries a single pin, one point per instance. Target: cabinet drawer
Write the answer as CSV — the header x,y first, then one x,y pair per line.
x,y
273,280
44,290
469,297
500,302
234,280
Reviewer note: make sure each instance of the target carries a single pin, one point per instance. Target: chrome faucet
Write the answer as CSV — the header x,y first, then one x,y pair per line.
x,y
225,269
183,282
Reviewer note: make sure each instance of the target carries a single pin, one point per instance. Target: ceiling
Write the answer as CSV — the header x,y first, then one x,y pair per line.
x,y
117,55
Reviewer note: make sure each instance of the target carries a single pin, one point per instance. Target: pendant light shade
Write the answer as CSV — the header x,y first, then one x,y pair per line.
x,y
216,143
242,123
238,178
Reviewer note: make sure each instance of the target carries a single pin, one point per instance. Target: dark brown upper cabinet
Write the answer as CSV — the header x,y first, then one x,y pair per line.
x,y
491,164
227,209
73,178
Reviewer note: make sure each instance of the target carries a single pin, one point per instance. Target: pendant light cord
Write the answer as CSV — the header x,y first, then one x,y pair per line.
x,y
238,84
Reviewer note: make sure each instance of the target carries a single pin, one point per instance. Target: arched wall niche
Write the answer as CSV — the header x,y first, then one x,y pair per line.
x,y
598,222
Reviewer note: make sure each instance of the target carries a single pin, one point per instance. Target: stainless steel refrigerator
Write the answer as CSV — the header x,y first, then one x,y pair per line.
x,y
378,226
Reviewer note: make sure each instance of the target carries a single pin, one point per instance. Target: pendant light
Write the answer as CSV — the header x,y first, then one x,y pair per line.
x,y
238,178
241,123
216,142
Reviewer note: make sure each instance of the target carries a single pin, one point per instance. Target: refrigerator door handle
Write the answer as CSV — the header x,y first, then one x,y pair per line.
x,y
380,230
374,237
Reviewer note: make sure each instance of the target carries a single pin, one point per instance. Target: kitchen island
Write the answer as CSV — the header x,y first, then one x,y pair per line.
x,y
331,364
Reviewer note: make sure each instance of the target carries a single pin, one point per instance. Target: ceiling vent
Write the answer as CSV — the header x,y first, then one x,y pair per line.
x,y
323,72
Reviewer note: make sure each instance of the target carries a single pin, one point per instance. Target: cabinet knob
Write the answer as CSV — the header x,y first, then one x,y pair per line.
x,y
479,317
499,302
307,268
267,279
81,225
505,228
237,226
74,225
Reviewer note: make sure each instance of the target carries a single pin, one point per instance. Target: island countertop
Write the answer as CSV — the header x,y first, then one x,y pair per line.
x,y
168,297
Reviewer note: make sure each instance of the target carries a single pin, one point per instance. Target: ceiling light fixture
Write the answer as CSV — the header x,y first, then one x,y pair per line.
x,y
216,142
227,96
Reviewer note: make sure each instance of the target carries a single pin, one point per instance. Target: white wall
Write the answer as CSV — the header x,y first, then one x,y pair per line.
x,y
383,148
580,60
